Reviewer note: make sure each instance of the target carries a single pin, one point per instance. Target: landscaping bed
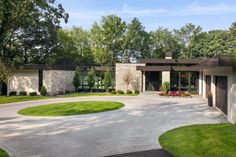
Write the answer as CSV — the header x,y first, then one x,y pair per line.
x,y
71,108
3,153
213,140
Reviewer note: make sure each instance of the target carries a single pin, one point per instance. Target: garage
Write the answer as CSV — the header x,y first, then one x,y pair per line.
x,y
222,94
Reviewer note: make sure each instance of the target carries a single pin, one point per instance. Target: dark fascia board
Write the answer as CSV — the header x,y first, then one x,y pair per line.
x,y
168,68
221,60
62,67
170,61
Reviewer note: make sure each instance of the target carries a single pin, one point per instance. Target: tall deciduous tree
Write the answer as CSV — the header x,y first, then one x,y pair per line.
x,y
107,39
136,42
76,79
23,21
162,41
75,44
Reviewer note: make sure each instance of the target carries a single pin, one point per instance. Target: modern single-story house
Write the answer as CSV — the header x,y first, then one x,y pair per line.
x,y
216,76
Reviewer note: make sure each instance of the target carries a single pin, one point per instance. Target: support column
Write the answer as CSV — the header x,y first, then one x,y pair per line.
x,y
189,81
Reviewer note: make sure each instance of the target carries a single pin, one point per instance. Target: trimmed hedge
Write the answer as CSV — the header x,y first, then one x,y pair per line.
x,y
33,93
23,93
13,93
120,92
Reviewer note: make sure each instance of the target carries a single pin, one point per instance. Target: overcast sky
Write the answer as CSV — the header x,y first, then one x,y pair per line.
x,y
210,14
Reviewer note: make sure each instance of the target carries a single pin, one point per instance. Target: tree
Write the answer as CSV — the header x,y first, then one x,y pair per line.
x,y
127,78
91,79
107,81
107,40
162,41
76,79
5,73
186,34
28,20
75,44
135,42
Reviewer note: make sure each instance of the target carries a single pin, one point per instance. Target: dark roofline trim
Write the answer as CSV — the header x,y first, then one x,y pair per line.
x,y
170,61
62,67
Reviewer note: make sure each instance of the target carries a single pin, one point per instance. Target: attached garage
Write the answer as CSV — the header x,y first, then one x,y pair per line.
x,y
222,93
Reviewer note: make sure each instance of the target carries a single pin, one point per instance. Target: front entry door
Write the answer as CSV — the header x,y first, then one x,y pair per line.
x,y
153,81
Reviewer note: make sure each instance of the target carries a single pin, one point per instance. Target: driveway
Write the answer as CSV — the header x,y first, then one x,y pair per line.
x,y
136,127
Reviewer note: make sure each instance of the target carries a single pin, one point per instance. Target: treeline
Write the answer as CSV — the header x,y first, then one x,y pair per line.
x,y
30,33
112,40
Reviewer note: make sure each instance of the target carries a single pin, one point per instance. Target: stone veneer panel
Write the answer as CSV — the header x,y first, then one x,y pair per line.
x,y
121,69
58,80
24,80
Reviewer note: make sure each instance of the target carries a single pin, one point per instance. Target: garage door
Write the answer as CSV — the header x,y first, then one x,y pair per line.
x,y
208,85
221,93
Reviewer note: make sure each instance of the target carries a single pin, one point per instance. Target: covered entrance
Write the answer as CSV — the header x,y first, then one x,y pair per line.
x,y
153,80
3,88
222,93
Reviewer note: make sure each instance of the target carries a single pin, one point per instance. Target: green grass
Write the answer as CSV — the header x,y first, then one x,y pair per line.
x,y
71,108
213,140
3,153
11,99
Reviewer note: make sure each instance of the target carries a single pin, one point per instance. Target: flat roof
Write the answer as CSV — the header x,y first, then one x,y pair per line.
x,y
62,67
170,61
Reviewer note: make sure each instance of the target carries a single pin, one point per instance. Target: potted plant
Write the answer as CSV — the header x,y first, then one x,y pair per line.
x,y
210,99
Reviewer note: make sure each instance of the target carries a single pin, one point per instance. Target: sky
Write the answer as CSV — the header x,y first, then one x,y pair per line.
x,y
172,14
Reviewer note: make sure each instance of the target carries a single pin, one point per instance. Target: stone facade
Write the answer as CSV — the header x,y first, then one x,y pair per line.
x,y
24,80
58,80
121,70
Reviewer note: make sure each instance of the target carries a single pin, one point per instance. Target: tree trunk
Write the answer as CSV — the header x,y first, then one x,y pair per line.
x,y
0,88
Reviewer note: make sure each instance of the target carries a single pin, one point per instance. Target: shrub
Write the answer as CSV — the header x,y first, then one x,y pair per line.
x,y
161,89
166,87
43,91
67,92
120,92
107,81
161,94
12,93
76,79
129,92
33,93
136,91
91,79
113,92
23,93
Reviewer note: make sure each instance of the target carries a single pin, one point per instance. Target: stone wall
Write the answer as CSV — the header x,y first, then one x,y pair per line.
x,y
24,80
58,80
121,70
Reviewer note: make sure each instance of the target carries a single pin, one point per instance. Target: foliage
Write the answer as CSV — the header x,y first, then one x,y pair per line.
x,y
129,92
200,140
127,78
76,79
107,39
120,92
113,92
162,41
136,92
12,93
107,81
136,42
91,79
22,93
5,73
28,29
71,108
43,91
166,87
33,93
74,44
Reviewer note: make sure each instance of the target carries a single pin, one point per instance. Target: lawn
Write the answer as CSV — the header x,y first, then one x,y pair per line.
x,y
3,153
213,140
71,108
11,99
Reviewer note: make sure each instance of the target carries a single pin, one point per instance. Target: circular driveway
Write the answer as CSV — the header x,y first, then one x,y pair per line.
x,y
136,127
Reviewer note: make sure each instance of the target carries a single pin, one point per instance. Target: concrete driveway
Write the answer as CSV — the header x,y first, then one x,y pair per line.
x,y
136,127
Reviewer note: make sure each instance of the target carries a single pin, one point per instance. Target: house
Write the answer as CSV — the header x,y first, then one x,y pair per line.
x,y
215,76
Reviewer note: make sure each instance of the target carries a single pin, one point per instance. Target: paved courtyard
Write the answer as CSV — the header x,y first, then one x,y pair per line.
x,y
135,127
